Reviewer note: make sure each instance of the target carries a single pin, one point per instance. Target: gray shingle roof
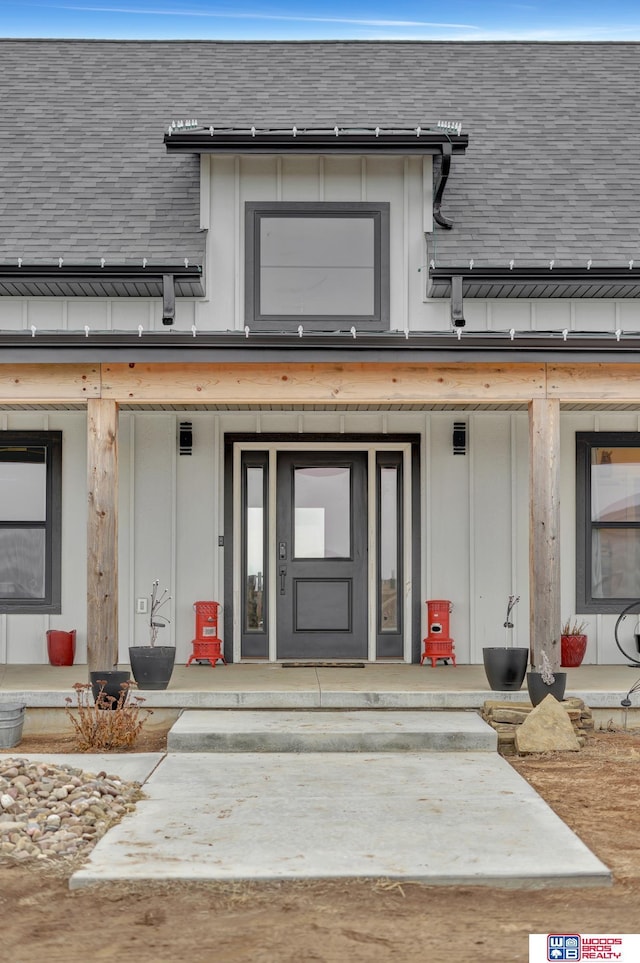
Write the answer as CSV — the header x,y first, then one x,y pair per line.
x,y
552,170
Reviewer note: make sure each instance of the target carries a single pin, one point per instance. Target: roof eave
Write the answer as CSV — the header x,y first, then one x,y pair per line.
x,y
536,282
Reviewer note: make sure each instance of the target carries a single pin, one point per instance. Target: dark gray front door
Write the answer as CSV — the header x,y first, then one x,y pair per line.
x,y
321,545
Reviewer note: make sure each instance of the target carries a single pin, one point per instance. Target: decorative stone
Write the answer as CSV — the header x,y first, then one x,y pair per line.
x,y
547,728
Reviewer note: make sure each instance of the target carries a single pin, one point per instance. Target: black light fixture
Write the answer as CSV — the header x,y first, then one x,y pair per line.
x,y
459,438
185,438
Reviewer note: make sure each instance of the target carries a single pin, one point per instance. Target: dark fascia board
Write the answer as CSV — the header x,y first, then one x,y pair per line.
x,y
93,280
537,282
237,347
347,141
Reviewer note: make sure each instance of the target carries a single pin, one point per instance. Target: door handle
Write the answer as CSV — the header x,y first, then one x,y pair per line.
x,y
282,573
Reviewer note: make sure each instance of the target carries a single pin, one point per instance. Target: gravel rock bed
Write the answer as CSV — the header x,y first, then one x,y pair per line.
x,y
50,812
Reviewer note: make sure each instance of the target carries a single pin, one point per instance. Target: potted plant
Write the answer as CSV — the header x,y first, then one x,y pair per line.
x,y
152,665
506,665
545,682
573,643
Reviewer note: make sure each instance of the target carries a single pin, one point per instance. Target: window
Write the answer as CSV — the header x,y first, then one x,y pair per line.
x,y
30,518
608,520
322,265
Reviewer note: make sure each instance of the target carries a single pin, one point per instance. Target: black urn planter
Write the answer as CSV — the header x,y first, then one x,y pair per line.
x,y
113,679
152,666
539,690
505,667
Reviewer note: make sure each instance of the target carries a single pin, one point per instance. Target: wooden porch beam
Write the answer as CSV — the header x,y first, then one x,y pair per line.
x,y
102,534
48,384
544,531
326,383
594,382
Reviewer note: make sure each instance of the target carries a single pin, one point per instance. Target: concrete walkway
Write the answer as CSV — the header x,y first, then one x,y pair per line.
x,y
443,818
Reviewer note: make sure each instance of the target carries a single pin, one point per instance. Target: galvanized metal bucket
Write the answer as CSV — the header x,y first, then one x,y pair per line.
x,y
11,723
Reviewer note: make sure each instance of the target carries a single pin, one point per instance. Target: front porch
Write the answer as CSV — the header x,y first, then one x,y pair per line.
x,y
270,686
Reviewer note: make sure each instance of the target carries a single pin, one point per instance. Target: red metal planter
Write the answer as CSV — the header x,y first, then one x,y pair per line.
x,y
61,646
572,650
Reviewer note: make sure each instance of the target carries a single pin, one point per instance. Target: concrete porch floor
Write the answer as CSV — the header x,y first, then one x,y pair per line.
x,y
270,686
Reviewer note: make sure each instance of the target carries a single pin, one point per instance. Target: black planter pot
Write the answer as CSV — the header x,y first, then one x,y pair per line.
x,y
505,667
152,665
539,690
113,678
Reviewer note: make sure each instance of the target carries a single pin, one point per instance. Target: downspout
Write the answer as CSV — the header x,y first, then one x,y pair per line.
x,y
441,183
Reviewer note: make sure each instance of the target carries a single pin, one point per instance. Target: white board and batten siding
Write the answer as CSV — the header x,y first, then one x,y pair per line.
x,y
228,182
474,509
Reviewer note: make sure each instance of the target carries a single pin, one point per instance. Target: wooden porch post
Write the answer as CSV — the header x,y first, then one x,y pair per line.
x,y
544,530
102,534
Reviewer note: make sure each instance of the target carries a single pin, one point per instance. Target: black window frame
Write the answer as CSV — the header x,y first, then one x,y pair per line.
x,y
586,602
52,442
377,212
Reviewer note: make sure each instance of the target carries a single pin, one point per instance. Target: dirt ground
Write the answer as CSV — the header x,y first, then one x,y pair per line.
x,y
596,791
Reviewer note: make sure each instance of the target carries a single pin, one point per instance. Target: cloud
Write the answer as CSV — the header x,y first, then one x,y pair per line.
x,y
289,18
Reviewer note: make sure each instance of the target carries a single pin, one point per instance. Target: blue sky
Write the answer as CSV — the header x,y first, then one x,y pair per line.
x,y
323,19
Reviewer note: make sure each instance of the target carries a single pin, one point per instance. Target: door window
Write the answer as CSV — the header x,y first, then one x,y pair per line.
x,y
322,512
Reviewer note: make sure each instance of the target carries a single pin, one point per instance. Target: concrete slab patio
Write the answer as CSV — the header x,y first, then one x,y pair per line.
x,y
443,818
270,686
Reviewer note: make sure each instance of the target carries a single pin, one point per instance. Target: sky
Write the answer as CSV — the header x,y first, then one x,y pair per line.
x,y
322,19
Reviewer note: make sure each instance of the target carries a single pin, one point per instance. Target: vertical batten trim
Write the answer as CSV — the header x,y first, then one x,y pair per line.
x,y
372,555
427,554
271,559
405,243
321,177
217,512
173,548
238,220
513,457
237,552
278,178
407,549
427,194
131,547
206,163
471,487
363,178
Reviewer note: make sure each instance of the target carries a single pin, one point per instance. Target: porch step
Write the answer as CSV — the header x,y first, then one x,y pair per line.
x,y
231,730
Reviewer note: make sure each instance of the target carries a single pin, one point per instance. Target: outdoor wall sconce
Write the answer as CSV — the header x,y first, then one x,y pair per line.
x,y
185,438
459,438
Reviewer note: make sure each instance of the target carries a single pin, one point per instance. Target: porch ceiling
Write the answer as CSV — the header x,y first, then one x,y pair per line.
x,y
462,406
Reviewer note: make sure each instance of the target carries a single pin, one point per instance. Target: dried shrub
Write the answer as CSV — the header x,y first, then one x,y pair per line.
x,y
109,723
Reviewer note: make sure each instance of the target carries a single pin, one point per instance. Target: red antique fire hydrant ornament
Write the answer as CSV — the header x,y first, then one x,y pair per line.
x,y
437,644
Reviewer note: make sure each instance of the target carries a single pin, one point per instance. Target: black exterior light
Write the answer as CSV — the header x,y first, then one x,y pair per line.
x,y
185,438
459,438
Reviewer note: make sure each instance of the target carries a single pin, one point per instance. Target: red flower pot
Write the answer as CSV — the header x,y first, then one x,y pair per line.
x,y
61,646
572,650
